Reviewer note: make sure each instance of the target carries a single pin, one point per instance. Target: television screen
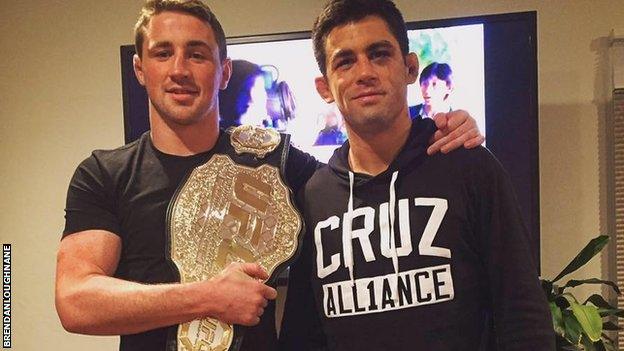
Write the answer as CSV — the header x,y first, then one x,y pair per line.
x,y
455,53
486,65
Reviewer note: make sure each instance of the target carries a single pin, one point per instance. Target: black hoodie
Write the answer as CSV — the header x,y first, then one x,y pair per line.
x,y
457,276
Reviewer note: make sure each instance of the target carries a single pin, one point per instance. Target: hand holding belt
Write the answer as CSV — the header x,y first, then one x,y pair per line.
x,y
228,212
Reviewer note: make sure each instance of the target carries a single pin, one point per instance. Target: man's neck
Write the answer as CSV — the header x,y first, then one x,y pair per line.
x,y
371,153
184,140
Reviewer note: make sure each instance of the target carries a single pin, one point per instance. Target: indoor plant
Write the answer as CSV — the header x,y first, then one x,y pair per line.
x,y
581,326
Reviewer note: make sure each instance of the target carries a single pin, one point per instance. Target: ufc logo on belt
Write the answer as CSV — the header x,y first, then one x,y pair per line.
x,y
248,227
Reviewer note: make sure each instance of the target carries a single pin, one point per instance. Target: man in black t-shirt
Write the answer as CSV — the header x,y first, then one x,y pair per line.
x,y
113,274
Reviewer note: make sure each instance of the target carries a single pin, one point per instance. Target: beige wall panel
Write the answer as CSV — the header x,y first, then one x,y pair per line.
x,y
60,97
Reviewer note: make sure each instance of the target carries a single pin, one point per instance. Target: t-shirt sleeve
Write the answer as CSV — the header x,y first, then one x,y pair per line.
x,y
520,312
299,168
90,203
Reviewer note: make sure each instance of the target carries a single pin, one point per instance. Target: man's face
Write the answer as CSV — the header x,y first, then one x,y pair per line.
x,y
434,91
181,69
367,75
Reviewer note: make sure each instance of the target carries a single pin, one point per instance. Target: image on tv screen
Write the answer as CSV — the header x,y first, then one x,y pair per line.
x,y
273,85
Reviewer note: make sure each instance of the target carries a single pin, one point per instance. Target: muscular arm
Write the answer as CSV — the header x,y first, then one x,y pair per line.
x,y
90,301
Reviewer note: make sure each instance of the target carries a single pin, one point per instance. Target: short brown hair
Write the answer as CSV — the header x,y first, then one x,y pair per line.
x,y
194,8
339,12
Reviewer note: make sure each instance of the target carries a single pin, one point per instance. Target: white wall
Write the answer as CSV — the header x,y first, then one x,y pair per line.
x,y
60,97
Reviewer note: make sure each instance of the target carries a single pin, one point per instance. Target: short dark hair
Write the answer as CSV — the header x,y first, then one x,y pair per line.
x,y
441,71
339,12
194,8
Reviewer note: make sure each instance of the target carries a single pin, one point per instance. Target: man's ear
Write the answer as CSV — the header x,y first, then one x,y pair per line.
x,y
226,73
411,61
322,87
138,69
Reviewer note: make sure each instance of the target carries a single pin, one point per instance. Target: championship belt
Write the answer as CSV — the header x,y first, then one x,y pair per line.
x,y
231,212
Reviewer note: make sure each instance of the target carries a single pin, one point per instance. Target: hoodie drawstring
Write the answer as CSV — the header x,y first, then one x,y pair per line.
x,y
393,248
347,245
347,235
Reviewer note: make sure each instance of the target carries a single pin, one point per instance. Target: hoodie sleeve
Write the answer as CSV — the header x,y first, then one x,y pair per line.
x,y
521,316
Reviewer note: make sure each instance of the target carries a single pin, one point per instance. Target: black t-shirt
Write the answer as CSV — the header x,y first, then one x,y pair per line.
x,y
126,191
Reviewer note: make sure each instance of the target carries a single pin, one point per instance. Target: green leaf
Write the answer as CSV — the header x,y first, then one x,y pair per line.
x,y
603,312
610,326
557,318
572,283
573,330
598,301
588,252
564,300
601,346
588,344
589,319
604,308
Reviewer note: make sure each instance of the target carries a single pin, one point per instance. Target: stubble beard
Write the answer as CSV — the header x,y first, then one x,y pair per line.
x,y
369,122
179,115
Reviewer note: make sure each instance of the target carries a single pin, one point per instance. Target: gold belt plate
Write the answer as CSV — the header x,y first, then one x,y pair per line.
x,y
226,212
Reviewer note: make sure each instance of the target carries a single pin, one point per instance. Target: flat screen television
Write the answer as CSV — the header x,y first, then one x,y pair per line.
x,y
493,64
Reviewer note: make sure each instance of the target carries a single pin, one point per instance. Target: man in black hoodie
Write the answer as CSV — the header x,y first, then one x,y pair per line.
x,y
404,251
